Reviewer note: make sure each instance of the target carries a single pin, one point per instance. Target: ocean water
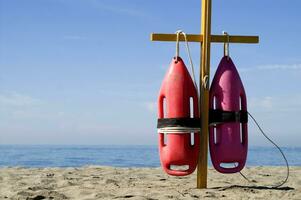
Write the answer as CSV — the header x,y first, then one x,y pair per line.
x,y
120,156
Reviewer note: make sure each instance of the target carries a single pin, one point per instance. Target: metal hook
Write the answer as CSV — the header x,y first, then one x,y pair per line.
x,y
226,45
178,32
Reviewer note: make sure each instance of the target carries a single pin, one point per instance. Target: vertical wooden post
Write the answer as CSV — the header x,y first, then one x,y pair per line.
x,y
204,93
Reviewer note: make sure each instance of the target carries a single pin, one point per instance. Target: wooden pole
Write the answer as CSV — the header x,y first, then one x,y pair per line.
x,y
204,93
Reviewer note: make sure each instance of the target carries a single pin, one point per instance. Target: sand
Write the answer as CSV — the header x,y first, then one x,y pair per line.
x,y
97,182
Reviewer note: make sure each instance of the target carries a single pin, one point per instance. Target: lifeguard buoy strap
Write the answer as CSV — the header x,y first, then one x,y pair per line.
x,y
221,116
215,117
179,122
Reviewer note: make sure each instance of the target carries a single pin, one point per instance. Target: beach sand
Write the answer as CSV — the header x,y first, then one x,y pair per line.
x,y
97,182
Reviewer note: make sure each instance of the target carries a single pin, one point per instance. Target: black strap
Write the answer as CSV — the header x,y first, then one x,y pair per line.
x,y
215,117
220,116
179,122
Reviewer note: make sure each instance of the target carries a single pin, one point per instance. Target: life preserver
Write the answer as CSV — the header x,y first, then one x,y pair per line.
x,y
228,132
177,125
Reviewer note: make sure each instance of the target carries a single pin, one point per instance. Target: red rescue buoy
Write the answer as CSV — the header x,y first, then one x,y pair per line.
x,y
178,156
228,134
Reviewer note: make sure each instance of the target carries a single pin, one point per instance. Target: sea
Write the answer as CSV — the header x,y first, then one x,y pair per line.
x,y
120,156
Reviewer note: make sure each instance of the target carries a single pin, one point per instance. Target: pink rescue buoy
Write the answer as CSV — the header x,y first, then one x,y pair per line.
x,y
228,140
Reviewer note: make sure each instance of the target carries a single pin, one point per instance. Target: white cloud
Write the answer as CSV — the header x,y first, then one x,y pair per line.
x,y
280,67
289,103
19,100
151,106
272,67
261,103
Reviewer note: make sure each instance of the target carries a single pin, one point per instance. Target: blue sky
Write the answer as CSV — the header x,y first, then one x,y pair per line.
x,y
85,72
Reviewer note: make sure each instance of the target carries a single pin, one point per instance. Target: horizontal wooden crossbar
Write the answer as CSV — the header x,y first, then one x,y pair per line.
x,y
199,38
